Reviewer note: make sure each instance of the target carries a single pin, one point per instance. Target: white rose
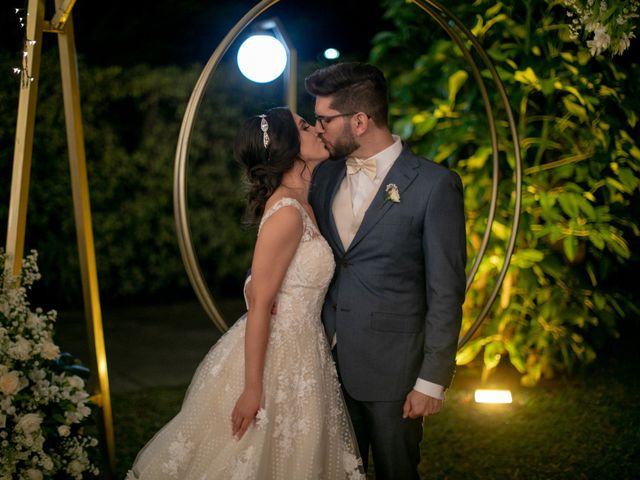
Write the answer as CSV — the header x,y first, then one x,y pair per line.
x,y
20,349
9,383
75,381
72,417
34,321
50,350
75,467
33,474
64,430
29,422
47,463
84,411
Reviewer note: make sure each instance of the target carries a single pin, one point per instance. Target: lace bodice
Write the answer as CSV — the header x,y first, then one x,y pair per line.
x,y
310,271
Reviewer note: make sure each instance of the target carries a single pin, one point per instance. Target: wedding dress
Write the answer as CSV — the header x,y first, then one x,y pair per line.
x,y
302,430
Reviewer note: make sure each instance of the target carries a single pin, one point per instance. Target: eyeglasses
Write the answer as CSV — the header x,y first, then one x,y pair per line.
x,y
325,119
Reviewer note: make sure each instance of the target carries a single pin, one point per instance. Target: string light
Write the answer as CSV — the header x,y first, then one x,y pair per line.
x,y
25,77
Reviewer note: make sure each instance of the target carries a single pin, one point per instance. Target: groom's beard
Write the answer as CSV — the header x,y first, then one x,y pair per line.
x,y
343,146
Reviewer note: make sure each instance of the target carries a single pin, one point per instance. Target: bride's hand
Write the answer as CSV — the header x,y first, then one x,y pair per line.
x,y
244,413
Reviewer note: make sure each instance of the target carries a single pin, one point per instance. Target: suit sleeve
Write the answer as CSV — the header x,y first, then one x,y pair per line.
x,y
444,246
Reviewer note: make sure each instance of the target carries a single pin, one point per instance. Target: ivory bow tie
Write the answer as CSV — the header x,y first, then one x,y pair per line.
x,y
368,166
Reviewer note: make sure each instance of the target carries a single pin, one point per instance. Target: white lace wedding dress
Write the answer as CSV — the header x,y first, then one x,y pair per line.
x,y
302,431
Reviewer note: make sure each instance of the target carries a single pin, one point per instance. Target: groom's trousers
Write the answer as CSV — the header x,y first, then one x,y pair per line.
x,y
394,441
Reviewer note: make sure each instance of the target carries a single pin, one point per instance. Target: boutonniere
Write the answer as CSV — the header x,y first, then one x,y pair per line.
x,y
392,193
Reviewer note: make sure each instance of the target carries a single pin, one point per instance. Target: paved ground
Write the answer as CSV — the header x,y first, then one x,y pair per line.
x,y
147,345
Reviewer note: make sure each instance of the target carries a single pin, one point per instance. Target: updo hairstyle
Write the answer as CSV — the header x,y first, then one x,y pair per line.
x,y
264,167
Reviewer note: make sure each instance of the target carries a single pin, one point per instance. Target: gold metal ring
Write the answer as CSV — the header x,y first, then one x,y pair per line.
x,y
442,16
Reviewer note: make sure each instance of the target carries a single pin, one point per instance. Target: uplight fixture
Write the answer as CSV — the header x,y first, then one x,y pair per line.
x,y
493,396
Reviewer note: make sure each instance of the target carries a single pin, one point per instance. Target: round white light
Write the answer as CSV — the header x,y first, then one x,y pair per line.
x,y
331,54
262,58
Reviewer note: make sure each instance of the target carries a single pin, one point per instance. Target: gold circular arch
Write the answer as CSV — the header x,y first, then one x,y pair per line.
x,y
445,18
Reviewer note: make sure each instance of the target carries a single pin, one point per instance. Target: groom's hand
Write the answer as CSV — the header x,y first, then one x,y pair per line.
x,y
420,405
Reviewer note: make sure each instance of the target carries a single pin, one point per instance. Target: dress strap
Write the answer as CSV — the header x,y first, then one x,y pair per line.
x,y
309,228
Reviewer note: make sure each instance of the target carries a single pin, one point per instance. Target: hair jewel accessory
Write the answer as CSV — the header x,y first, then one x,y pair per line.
x,y
264,126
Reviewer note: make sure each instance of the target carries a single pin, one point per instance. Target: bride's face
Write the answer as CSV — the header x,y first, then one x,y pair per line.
x,y
312,148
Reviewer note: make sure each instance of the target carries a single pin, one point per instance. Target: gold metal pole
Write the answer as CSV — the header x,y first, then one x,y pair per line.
x,y
84,231
23,148
291,73
180,207
63,12
292,80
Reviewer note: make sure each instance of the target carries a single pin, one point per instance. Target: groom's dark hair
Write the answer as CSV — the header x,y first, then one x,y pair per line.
x,y
354,86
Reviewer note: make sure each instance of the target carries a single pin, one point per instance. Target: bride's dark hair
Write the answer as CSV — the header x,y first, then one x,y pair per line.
x,y
264,167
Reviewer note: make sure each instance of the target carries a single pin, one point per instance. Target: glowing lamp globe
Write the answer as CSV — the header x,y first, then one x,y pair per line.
x,y
331,54
262,58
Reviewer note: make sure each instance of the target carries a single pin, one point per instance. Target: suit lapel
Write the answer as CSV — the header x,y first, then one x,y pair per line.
x,y
334,185
402,174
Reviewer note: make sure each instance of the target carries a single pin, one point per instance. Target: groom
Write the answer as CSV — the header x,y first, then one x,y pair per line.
x,y
395,222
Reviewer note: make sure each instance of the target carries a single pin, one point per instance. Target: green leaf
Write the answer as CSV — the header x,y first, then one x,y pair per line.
x,y
526,257
570,245
492,354
575,109
628,179
596,239
515,357
470,351
479,158
455,83
527,77
569,204
617,185
493,11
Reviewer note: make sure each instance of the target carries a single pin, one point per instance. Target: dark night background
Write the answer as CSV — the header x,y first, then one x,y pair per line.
x,y
161,32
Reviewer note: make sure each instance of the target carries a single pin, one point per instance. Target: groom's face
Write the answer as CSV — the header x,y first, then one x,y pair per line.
x,y
334,129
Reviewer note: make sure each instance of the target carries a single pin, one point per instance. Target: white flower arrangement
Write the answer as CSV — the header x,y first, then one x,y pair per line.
x,y
611,23
42,406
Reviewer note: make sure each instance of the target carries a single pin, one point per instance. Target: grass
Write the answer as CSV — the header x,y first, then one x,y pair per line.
x,y
583,427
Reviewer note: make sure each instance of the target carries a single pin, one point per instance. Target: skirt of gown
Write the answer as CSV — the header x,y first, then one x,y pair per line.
x,y
302,430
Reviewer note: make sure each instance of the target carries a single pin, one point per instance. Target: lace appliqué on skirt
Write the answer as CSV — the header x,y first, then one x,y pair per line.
x,y
302,430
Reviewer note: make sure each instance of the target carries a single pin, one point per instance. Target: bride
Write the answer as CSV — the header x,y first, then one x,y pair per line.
x,y
265,403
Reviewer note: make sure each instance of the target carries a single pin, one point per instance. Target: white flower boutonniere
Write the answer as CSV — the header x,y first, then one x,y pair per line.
x,y
392,193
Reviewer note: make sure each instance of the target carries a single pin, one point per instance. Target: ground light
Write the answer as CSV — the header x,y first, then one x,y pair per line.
x,y
493,396
262,58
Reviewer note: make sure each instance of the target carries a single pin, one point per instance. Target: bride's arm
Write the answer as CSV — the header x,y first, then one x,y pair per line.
x,y
275,247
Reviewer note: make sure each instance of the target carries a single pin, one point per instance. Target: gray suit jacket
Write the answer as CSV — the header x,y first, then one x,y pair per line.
x,y
395,300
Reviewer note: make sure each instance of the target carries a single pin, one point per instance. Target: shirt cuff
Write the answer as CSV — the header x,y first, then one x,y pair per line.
x,y
428,388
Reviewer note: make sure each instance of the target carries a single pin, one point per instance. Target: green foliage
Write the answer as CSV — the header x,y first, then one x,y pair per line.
x,y
131,121
578,126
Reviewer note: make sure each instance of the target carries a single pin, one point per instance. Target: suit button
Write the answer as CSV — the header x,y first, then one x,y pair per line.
x,y
334,307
